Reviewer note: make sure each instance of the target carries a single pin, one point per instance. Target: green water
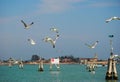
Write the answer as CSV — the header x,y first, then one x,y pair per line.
x,y
67,73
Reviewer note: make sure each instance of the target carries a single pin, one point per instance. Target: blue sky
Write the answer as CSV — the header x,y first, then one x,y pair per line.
x,y
78,21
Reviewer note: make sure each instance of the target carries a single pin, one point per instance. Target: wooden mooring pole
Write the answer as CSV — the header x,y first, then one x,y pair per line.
x,y
111,69
40,68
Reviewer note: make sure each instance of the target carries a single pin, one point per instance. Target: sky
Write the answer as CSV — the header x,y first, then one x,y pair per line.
x,y
78,21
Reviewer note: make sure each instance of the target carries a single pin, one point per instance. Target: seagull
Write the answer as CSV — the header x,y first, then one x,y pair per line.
x,y
32,42
114,56
48,39
112,18
27,26
54,30
93,45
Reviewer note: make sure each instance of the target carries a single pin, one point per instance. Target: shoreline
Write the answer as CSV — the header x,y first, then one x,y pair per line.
x,y
1,64
33,63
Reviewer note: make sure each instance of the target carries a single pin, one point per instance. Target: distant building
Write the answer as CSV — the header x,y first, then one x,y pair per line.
x,y
92,60
87,60
66,60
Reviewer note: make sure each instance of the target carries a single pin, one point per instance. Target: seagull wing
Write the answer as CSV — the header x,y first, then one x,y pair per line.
x,y
52,42
45,39
94,45
88,45
57,36
54,30
24,23
108,20
31,24
116,56
115,18
118,18
48,39
32,42
112,18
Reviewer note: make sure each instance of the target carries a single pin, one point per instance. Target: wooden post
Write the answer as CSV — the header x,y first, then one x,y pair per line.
x,y
40,68
10,64
21,65
109,70
115,76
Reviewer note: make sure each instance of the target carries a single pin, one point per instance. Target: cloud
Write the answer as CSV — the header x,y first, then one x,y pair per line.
x,y
54,6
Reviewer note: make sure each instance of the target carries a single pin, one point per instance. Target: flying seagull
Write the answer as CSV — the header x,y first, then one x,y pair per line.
x,y
52,41
114,56
54,30
32,42
27,26
93,45
112,18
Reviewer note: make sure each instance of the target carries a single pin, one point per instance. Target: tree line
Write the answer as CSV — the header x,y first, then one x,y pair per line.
x,y
62,58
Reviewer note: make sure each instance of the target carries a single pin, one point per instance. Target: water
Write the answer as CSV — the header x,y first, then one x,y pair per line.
x,y
67,73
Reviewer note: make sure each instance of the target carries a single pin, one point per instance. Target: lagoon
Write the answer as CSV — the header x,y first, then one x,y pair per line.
x,y
67,73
